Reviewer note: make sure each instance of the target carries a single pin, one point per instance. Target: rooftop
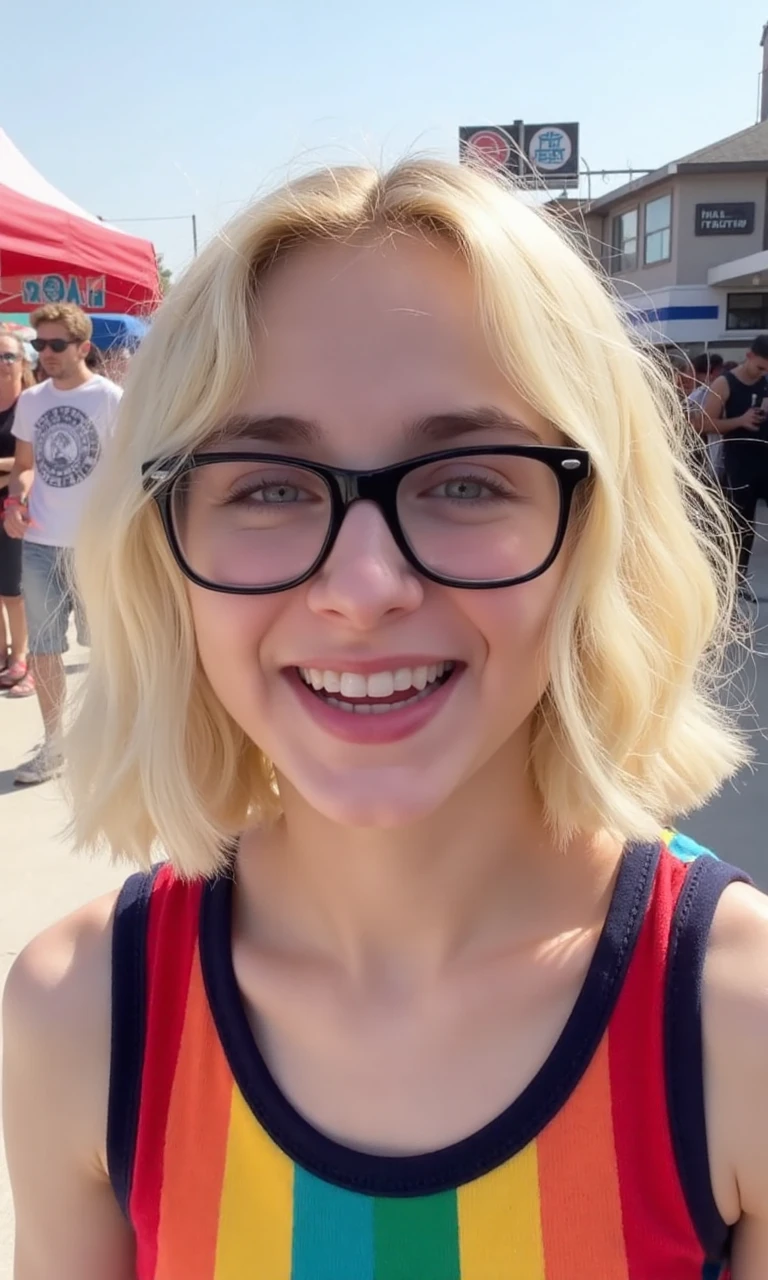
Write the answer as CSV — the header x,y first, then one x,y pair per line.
x,y
747,149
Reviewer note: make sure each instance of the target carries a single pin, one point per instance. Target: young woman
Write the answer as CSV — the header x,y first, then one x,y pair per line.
x,y
405,653
15,376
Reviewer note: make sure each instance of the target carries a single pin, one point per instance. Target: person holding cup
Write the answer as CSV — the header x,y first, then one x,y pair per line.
x,y
737,409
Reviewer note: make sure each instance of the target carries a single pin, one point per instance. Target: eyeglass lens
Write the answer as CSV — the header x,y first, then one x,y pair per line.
x,y
263,524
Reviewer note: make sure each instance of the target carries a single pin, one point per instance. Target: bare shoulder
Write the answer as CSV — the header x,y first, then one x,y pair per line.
x,y
57,1000
735,1019
64,970
56,1065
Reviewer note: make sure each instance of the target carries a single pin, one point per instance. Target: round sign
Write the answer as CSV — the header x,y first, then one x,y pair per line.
x,y
491,146
550,148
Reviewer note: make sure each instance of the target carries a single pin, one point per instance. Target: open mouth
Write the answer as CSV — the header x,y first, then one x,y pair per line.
x,y
381,691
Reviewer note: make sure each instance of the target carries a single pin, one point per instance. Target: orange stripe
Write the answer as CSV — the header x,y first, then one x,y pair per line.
x,y
195,1145
579,1183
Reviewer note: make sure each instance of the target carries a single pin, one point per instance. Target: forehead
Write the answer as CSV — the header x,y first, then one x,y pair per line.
x,y
52,329
364,338
8,342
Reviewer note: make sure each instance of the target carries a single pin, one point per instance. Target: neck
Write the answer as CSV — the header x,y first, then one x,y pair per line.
x,y
744,375
72,380
482,872
8,398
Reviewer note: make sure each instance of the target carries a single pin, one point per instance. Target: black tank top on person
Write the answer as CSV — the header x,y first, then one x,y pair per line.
x,y
741,450
7,443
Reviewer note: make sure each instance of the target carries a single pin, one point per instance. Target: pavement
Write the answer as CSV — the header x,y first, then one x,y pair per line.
x,y
43,880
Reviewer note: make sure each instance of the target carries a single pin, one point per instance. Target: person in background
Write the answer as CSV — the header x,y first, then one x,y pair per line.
x,y
95,361
735,406
684,380
60,427
15,376
706,368
116,363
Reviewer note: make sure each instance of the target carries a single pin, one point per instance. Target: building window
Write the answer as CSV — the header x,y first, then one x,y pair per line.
x,y
747,311
658,230
624,241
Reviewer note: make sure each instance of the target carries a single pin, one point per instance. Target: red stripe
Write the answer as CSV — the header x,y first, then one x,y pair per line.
x,y
171,939
660,1237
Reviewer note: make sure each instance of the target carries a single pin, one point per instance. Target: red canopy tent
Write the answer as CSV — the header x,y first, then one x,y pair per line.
x,y
53,251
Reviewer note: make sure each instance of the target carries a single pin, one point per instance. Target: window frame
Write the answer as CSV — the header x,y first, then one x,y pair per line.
x,y
655,262
747,293
620,261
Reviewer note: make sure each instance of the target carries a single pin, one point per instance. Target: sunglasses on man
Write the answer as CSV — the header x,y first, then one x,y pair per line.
x,y
56,344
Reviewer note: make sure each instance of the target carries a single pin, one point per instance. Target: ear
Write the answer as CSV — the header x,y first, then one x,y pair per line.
x,y
85,348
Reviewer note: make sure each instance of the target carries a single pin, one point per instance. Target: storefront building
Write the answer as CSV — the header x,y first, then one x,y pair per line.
x,y
686,247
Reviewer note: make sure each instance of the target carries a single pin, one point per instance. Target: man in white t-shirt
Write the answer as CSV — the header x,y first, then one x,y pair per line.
x,y
60,427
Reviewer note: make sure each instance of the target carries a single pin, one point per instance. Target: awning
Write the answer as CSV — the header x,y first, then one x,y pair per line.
x,y
53,251
741,273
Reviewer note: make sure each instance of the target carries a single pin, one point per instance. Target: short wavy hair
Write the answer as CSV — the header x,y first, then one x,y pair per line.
x,y
630,731
77,323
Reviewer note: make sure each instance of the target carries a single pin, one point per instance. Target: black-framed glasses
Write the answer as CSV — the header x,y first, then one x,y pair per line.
x,y
56,344
249,523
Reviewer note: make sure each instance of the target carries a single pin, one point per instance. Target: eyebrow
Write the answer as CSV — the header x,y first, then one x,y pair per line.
x,y
280,429
439,428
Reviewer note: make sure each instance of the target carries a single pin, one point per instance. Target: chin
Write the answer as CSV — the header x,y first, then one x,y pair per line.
x,y
380,800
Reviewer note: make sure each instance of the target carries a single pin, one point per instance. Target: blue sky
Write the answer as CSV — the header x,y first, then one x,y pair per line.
x,y
154,108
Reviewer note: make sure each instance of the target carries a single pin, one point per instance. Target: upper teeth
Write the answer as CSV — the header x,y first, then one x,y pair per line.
x,y
381,684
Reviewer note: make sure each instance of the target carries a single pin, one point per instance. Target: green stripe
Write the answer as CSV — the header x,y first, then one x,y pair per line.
x,y
417,1239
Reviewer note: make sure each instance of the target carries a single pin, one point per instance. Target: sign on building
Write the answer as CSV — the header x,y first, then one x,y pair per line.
x,y
540,155
725,219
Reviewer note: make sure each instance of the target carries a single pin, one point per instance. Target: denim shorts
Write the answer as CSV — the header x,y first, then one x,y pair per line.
x,y
50,598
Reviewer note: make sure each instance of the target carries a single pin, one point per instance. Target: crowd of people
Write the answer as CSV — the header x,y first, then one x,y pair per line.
x,y
727,405
52,426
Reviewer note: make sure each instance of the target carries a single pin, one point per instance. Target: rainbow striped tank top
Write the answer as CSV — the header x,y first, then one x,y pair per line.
x,y
597,1171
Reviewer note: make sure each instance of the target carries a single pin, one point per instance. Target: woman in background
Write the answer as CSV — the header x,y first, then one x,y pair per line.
x,y
15,375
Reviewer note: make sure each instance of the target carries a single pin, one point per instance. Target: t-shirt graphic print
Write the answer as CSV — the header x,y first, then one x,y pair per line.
x,y
67,431
67,446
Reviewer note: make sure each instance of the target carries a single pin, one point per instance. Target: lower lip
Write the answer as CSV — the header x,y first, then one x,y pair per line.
x,y
373,729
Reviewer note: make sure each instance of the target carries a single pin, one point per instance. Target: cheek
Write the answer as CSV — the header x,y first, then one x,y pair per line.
x,y
229,631
515,623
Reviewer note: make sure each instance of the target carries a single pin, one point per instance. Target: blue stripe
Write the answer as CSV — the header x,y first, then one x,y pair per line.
x,y
332,1231
686,849
654,314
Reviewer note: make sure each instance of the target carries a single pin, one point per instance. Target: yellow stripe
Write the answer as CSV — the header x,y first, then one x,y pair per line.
x,y
256,1218
500,1222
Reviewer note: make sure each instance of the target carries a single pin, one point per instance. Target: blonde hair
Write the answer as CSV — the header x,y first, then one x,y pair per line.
x,y
78,325
27,376
630,731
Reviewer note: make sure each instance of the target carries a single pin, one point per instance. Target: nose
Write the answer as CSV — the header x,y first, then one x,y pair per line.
x,y
365,578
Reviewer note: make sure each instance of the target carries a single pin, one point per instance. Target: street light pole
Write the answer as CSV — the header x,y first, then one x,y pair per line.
x,y
174,217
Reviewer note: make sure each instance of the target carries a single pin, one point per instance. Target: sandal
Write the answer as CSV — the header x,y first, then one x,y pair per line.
x,y
24,688
12,675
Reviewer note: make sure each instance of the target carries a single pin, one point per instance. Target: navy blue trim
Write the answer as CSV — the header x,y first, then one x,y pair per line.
x,y
655,314
129,1016
705,882
497,1141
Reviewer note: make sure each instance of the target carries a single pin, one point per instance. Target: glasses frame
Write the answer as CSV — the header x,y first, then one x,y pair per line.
x,y
569,466
48,342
